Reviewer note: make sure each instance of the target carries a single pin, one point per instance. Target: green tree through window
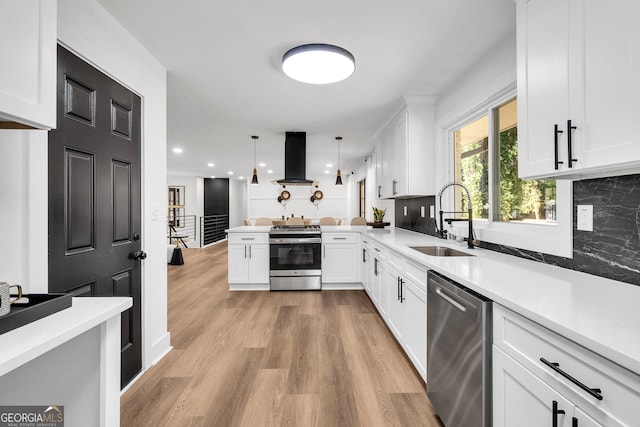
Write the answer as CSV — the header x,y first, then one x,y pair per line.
x,y
513,199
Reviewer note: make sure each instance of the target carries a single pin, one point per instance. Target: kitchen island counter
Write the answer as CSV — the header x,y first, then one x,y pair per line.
x,y
70,358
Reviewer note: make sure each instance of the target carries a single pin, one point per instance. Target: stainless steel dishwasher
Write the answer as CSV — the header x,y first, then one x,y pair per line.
x,y
458,353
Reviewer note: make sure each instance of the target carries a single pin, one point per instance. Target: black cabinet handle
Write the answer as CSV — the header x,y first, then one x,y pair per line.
x,y
379,190
556,132
556,412
364,255
375,266
570,143
398,289
394,187
574,422
401,290
595,392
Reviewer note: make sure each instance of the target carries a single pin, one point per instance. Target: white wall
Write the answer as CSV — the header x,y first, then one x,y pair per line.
x,y
237,202
88,30
262,200
193,199
23,209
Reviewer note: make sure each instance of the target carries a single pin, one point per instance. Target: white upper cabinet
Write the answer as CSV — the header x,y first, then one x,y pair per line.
x,y
578,91
28,31
406,144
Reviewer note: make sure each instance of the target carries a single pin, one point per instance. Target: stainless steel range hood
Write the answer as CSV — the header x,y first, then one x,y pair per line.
x,y
295,160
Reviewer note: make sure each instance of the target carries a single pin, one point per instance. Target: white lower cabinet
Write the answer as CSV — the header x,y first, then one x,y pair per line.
x,y
340,258
543,379
524,400
249,259
398,290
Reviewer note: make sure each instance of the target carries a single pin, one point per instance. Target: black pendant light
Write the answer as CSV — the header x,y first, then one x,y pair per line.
x,y
338,176
254,179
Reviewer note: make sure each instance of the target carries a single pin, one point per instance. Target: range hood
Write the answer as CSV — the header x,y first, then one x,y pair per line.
x,y
295,160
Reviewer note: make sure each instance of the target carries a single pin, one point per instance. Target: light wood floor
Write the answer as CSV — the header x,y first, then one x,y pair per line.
x,y
273,358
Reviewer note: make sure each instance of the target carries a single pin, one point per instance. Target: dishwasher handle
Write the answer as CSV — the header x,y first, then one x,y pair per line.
x,y
450,300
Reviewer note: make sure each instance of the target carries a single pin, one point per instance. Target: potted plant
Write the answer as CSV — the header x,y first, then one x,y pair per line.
x,y
378,217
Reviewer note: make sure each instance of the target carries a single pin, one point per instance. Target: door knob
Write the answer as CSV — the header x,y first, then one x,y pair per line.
x,y
139,255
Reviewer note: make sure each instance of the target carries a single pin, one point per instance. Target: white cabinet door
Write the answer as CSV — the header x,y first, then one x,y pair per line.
x,y
399,184
415,325
340,263
383,295
258,265
238,264
395,316
605,89
543,83
584,420
522,399
28,31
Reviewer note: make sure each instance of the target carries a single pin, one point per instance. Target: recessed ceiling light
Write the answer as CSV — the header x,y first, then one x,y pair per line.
x,y
230,172
329,165
327,171
241,177
269,171
177,150
262,164
210,165
212,176
318,63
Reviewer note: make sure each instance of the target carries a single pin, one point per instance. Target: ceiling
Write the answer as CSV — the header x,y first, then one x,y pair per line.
x,y
225,81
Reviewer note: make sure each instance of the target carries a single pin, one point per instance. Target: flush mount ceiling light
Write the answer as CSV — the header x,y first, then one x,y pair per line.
x,y
254,179
318,63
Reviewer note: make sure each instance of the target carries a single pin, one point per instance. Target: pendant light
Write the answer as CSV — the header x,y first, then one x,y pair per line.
x,y
254,179
338,176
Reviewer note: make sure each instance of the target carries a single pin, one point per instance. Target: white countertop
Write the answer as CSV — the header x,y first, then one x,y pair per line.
x,y
600,314
24,344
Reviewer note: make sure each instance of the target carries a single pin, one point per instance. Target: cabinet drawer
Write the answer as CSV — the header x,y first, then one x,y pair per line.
x,y
396,261
248,238
417,273
528,343
340,237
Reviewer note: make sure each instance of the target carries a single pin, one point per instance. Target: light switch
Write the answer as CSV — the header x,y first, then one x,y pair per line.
x,y
405,210
585,217
422,211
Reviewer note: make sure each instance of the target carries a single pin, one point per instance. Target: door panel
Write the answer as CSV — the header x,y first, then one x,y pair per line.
x,y
94,195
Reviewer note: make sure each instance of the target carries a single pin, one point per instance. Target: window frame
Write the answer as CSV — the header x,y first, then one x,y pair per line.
x,y
545,238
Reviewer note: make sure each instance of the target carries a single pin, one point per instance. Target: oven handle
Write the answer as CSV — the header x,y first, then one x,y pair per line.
x,y
297,240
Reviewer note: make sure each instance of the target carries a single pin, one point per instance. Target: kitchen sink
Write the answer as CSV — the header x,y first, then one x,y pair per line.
x,y
439,251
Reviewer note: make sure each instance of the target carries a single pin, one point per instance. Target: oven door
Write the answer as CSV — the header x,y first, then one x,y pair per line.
x,y
295,253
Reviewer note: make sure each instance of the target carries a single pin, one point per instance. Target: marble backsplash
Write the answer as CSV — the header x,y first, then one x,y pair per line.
x,y
611,250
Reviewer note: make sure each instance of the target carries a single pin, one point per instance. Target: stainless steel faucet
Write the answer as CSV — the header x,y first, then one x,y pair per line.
x,y
442,232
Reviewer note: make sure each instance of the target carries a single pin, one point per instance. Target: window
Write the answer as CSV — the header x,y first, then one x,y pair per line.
x,y
486,161
363,198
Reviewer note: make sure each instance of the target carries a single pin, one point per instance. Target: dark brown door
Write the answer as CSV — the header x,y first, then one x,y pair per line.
x,y
94,195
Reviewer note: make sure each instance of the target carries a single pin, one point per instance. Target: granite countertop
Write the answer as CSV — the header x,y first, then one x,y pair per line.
x,y
598,313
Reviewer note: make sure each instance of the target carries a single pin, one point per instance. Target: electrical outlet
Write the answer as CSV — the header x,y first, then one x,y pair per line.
x,y
432,211
422,211
585,217
405,210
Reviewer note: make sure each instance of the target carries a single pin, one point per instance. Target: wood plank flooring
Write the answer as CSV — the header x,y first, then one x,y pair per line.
x,y
273,359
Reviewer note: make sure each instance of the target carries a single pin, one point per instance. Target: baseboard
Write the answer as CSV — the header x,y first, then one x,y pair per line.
x,y
158,350
342,287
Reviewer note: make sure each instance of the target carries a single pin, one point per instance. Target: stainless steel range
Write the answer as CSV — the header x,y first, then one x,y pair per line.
x,y
295,257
